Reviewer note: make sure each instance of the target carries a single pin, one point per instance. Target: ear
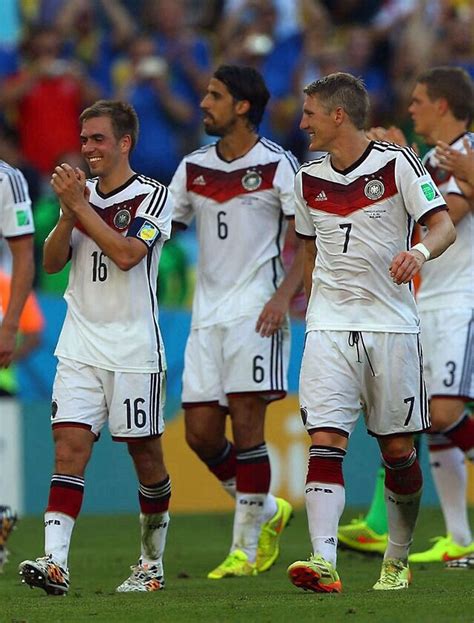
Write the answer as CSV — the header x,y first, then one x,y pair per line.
x,y
125,143
338,114
242,107
443,106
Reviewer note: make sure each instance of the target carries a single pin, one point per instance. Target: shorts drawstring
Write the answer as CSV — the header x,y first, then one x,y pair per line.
x,y
353,340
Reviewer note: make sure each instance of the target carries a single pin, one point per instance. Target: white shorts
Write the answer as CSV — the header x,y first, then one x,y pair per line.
x,y
447,336
233,358
88,397
382,374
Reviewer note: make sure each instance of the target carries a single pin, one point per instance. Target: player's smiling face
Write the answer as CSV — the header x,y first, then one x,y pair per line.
x,y
317,123
423,111
219,109
100,148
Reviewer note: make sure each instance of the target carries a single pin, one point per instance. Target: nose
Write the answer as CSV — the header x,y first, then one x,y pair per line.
x,y
303,123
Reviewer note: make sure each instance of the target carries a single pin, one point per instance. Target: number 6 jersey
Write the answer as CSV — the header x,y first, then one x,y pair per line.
x,y
240,208
112,315
361,218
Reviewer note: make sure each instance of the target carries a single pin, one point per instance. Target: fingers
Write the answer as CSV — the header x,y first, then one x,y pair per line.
x,y
268,323
405,266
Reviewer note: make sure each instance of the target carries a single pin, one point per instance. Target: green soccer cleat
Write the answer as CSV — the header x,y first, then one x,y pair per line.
x,y
443,550
316,574
358,536
268,548
394,576
234,566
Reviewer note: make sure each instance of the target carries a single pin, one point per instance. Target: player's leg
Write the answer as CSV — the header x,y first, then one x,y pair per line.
x,y
447,344
78,414
137,403
449,472
397,409
330,405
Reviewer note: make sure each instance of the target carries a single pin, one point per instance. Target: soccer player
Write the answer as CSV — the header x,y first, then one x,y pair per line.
x,y
356,207
111,361
442,110
16,226
240,190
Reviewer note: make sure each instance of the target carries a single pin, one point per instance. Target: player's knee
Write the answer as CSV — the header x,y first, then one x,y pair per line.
x,y
397,447
71,457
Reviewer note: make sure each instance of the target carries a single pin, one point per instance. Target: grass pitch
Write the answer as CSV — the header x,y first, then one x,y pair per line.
x,y
104,547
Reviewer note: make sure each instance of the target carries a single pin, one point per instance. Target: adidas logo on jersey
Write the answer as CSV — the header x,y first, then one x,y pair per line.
x,y
199,181
322,196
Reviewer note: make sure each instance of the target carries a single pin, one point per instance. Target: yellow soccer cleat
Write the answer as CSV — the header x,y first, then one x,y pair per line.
x,y
316,574
268,548
358,536
395,575
443,550
234,566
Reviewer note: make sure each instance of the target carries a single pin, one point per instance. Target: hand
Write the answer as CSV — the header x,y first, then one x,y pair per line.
x,y
406,265
70,186
272,316
449,159
7,346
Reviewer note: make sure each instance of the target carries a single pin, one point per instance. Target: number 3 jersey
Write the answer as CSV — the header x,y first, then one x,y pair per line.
x,y
240,208
362,218
112,315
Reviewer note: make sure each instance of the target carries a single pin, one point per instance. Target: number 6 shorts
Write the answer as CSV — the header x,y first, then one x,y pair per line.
x,y
344,372
233,358
87,397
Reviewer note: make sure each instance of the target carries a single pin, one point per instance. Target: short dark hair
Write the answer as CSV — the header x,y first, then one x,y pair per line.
x,y
455,86
245,83
122,115
343,90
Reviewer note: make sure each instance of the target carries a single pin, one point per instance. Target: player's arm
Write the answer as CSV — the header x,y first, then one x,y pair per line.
x,y
57,246
274,312
441,234
309,264
23,270
69,185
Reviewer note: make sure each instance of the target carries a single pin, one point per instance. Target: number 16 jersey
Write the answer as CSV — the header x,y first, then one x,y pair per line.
x,y
362,218
112,315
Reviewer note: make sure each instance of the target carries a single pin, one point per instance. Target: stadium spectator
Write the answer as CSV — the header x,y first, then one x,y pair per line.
x,y
111,364
240,190
441,110
356,206
47,92
16,226
30,328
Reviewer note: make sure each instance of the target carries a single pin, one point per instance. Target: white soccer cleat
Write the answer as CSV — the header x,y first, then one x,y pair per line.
x,y
46,574
144,578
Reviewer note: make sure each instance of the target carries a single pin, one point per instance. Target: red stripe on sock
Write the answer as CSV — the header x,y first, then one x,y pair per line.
x,y
150,506
463,435
404,480
227,469
325,470
253,477
65,500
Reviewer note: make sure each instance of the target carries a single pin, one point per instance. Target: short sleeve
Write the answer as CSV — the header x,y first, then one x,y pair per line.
x,y
285,182
183,210
16,217
153,218
417,188
304,225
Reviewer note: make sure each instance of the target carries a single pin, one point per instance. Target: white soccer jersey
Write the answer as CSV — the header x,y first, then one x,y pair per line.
x,y
240,209
447,281
361,218
112,315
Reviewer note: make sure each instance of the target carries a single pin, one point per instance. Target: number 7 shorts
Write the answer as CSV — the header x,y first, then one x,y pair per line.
x,y
381,373
88,397
232,358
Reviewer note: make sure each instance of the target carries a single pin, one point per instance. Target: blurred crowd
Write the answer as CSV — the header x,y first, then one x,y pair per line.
x,y
58,56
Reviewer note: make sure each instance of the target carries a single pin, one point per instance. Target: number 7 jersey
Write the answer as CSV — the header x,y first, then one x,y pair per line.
x,y
112,315
361,219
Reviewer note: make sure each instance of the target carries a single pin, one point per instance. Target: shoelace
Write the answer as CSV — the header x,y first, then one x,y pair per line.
x,y
392,570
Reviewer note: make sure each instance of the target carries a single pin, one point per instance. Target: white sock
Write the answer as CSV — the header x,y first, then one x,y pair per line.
x,y
324,506
270,507
448,468
57,536
248,521
402,512
154,528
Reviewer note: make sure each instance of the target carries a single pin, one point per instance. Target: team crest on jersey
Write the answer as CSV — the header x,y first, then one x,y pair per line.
x,y
122,219
148,233
251,180
374,189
